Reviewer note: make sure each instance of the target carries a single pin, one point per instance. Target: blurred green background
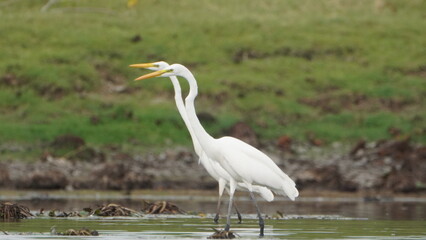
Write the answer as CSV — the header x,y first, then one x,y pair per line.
x,y
336,70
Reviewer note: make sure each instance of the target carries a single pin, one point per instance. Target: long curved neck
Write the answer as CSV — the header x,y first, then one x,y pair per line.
x,y
182,111
203,137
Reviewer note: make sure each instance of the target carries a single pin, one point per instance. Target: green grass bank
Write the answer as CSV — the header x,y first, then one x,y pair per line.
x,y
336,70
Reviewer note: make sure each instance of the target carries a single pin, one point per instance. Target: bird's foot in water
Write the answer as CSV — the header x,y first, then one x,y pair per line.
x,y
216,218
222,234
240,219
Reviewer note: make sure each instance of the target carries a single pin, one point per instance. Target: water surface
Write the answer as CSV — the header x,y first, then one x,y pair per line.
x,y
306,218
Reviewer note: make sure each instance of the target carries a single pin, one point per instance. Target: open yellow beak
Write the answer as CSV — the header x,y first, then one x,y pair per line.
x,y
142,65
151,75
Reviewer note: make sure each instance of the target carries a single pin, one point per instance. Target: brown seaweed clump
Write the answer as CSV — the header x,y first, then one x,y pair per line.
x,y
161,207
222,234
52,213
10,211
113,209
72,232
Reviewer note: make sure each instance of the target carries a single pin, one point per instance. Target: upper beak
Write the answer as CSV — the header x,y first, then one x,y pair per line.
x,y
142,65
151,75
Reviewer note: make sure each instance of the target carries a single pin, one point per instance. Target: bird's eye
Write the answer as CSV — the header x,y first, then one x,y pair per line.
x,y
170,70
156,65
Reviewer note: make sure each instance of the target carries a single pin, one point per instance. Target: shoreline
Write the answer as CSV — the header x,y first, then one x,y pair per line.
x,y
205,195
388,167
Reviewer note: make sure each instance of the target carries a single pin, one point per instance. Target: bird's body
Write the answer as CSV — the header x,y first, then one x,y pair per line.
x,y
245,166
243,162
223,177
248,165
213,168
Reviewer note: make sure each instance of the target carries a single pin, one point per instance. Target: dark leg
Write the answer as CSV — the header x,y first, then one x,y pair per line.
x,y
259,215
232,185
222,184
238,213
228,218
216,218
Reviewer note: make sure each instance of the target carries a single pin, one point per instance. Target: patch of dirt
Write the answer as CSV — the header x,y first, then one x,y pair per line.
x,y
46,179
68,142
206,117
395,165
71,147
4,176
243,89
327,177
51,92
119,175
336,103
314,140
116,170
284,143
112,82
10,80
219,97
419,71
244,132
137,38
308,54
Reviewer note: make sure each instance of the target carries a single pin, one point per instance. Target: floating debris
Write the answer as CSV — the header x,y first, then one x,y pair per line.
x,y
161,207
72,232
88,209
278,215
222,234
40,213
13,211
73,214
53,213
113,209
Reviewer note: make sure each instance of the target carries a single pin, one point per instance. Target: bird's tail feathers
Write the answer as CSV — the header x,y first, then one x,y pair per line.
x,y
291,191
265,193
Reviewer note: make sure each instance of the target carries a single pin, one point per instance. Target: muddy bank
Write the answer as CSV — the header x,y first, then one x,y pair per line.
x,y
395,165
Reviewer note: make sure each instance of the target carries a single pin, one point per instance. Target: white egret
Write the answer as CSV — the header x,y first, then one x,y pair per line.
x,y
244,163
212,167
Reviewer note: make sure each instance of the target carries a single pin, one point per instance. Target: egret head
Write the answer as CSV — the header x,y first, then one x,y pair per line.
x,y
172,70
155,66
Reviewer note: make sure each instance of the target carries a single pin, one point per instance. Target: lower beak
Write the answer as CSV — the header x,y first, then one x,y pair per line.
x,y
151,75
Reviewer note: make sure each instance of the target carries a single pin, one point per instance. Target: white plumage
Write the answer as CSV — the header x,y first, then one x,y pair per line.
x,y
237,163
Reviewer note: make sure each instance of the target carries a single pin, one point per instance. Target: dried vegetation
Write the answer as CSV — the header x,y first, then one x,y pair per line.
x,y
161,207
222,234
113,209
11,211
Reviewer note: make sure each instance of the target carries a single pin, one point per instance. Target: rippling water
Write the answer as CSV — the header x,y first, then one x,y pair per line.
x,y
306,218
